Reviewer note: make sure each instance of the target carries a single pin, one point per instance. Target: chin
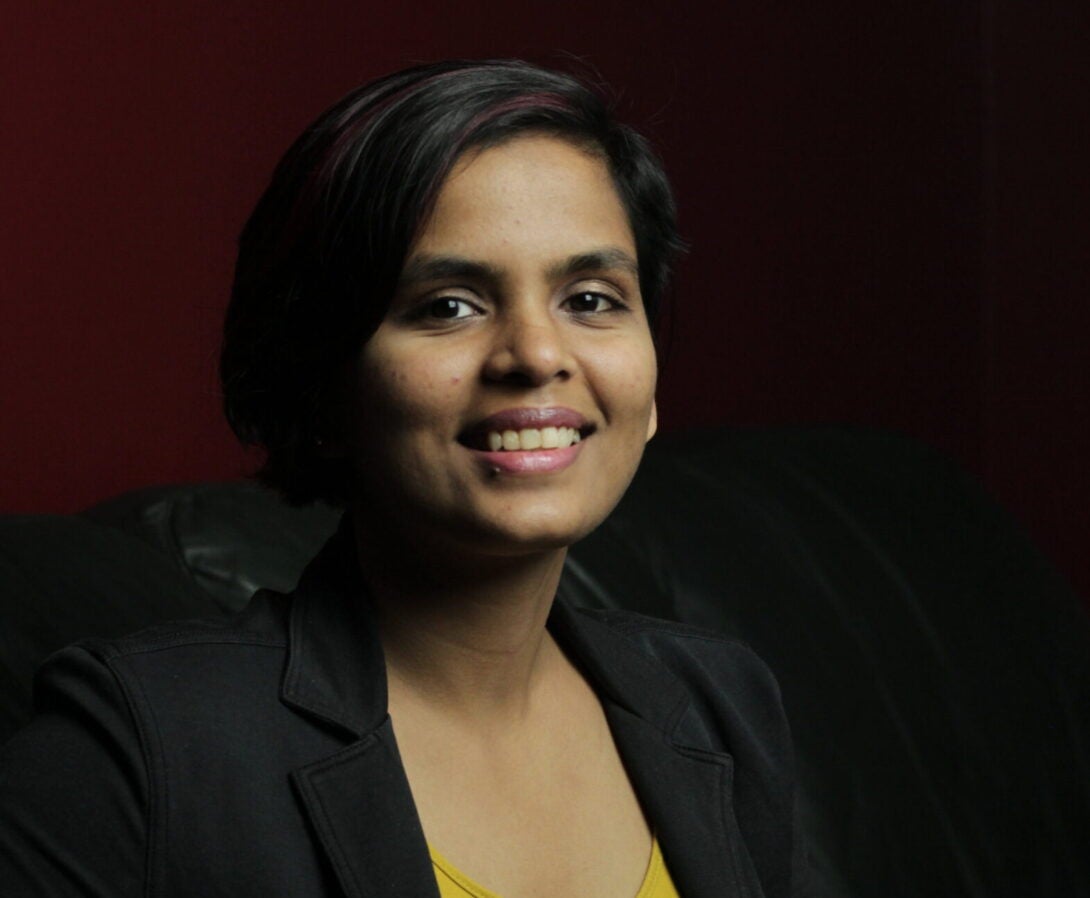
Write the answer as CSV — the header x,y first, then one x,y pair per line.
x,y
539,533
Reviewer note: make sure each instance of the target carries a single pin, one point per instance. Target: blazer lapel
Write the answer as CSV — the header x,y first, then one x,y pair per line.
x,y
361,809
685,789
686,794
358,800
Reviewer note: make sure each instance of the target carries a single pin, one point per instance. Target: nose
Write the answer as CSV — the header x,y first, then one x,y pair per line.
x,y
529,349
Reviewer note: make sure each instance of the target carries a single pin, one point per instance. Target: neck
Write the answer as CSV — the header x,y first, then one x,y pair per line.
x,y
463,637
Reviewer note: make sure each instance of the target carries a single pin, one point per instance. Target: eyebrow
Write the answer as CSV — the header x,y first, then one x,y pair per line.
x,y
437,268
606,258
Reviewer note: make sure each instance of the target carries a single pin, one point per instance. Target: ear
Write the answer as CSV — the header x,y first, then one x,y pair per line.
x,y
653,420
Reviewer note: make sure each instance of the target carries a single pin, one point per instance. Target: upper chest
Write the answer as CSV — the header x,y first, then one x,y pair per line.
x,y
548,809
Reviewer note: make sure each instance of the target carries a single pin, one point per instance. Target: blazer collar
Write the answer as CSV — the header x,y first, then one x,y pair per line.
x,y
685,790
359,802
617,669
336,672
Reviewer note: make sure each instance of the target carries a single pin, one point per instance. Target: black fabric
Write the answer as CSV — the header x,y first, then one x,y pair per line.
x,y
254,756
935,670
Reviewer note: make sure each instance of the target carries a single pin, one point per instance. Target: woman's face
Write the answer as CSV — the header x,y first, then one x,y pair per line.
x,y
517,326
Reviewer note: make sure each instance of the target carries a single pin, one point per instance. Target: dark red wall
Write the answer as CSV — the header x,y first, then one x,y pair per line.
x,y
886,209
1036,311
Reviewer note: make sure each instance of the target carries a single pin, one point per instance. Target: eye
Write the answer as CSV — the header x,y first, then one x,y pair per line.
x,y
446,308
589,302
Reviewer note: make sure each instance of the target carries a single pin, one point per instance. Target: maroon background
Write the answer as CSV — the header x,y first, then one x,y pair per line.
x,y
887,210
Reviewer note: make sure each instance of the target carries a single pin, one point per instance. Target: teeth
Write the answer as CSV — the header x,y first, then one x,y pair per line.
x,y
532,438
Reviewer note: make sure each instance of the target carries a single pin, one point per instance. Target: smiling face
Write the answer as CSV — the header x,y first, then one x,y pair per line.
x,y
517,329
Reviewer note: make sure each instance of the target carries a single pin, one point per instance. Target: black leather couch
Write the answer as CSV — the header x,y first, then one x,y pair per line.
x,y
935,669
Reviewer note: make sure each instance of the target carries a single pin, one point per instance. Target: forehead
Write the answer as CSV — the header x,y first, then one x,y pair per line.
x,y
530,193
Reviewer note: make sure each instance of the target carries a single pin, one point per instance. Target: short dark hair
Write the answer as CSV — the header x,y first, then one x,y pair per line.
x,y
320,256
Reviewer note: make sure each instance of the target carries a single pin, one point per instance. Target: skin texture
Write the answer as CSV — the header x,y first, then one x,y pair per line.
x,y
511,762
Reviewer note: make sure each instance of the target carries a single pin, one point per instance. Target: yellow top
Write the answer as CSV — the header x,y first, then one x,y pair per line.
x,y
455,884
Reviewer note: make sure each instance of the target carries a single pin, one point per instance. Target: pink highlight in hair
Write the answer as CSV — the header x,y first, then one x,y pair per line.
x,y
352,122
526,101
358,119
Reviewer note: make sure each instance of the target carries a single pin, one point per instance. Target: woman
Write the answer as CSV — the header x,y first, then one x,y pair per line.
x,y
440,320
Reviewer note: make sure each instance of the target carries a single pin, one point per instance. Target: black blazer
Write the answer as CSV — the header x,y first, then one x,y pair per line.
x,y
255,756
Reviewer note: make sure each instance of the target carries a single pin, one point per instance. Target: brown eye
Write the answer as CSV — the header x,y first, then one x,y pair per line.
x,y
447,308
589,302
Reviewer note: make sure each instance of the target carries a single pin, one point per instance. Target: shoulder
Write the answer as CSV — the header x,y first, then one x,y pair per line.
x,y
732,699
700,658
167,670
678,642
263,622
174,645
142,729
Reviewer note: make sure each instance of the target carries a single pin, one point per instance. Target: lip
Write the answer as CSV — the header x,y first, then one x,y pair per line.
x,y
529,461
475,435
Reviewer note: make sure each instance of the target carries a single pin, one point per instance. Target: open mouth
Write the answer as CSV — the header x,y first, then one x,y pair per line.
x,y
526,439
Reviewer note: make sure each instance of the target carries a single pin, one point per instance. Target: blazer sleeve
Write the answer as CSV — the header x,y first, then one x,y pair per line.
x,y
73,788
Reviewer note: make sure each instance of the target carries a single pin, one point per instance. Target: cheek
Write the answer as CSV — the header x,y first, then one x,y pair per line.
x,y
635,376
405,395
